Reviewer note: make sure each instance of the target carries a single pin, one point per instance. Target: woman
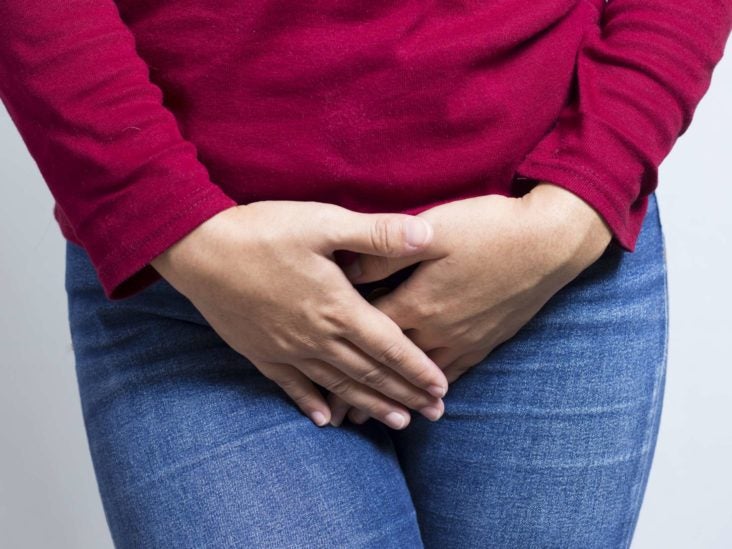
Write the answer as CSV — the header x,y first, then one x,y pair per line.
x,y
281,214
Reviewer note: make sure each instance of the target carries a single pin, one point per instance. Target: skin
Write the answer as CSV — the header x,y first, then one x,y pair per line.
x,y
493,263
264,276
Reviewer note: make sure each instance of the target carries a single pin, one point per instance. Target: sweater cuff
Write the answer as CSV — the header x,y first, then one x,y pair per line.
x,y
587,156
126,270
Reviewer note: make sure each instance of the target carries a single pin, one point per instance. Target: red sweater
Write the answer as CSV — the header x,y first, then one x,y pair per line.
x,y
147,118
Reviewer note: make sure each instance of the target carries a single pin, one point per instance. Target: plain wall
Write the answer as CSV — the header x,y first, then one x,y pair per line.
x,y
48,495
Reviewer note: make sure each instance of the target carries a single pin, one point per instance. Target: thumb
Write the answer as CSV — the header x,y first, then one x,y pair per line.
x,y
368,268
383,234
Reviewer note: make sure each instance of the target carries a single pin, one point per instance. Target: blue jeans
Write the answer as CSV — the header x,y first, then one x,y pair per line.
x,y
547,442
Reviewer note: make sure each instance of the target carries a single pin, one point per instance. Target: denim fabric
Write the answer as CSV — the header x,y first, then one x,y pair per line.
x,y
547,442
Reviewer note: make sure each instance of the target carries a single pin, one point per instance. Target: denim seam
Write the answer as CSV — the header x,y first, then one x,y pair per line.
x,y
655,409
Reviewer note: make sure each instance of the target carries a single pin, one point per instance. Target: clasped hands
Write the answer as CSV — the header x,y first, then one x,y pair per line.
x,y
490,266
264,277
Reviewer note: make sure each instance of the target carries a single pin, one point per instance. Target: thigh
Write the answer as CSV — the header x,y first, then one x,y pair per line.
x,y
549,440
193,447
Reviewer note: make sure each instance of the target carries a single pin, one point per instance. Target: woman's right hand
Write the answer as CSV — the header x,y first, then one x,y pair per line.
x,y
263,275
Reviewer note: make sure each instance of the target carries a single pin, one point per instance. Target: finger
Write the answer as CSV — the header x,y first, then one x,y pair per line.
x,y
377,405
444,356
358,416
366,370
386,234
338,409
458,367
300,389
368,268
381,338
425,340
408,303
398,305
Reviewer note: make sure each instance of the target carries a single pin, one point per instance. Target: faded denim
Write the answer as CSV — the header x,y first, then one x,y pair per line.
x,y
548,442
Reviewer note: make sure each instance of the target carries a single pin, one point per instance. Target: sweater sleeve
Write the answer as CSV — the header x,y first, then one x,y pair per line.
x,y
639,77
111,154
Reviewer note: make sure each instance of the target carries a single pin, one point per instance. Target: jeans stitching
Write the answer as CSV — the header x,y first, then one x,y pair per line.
x,y
653,418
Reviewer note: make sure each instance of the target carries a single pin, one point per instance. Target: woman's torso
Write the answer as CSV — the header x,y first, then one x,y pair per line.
x,y
376,106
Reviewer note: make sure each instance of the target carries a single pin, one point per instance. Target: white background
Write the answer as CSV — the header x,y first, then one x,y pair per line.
x,y
48,495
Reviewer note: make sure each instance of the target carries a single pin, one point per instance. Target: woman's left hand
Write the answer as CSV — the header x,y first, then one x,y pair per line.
x,y
493,263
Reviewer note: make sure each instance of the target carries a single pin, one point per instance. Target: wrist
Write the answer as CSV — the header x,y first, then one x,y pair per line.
x,y
184,254
580,233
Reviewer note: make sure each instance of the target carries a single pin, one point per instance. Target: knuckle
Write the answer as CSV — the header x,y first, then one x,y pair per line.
x,y
473,338
289,383
340,385
336,316
382,235
392,355
423,377
306,343
413,400
424,309
375,377
302,400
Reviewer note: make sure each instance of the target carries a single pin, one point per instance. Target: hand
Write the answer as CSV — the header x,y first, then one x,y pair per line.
x,y
494,262
264,277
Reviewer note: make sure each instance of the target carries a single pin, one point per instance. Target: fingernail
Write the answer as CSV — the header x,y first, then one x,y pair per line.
x,y
437,390
318,418
431,413
353,270
335,421
417,231
395,420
